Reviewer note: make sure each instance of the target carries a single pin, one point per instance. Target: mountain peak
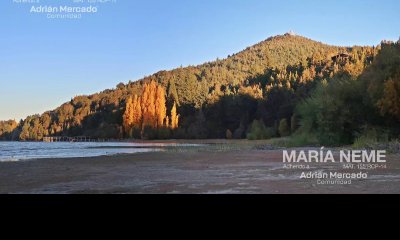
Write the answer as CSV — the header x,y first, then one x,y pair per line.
x,y
290,33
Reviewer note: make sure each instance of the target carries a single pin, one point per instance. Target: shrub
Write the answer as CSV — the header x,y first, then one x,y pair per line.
x,y
163,133
270,132
284,130
240,132
149,133
297,140
370,138
179,133
258,131
229,134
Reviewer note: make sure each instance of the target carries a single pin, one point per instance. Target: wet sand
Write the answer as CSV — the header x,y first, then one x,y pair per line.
x,y
246,171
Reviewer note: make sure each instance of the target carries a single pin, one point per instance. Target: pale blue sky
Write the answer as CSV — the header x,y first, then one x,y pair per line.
x,y
44,62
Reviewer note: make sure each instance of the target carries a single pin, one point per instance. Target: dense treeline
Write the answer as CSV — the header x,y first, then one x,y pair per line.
x,y
260,92
349,108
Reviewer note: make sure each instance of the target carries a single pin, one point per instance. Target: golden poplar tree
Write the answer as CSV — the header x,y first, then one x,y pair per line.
x,y
149,105
174,118
128,116
152,105
137,112
161,108
145,102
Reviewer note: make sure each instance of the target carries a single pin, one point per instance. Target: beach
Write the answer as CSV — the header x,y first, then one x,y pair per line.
x,y
245,170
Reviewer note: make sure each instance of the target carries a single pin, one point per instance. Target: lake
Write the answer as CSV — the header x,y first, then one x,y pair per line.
x,y
17,151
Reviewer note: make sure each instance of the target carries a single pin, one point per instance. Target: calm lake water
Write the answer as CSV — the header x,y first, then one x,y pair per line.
x,y
16,151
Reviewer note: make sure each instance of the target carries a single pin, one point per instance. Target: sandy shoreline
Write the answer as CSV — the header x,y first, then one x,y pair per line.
x,y
245,171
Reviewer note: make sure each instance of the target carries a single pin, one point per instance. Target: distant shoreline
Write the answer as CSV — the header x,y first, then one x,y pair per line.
x,y
32,151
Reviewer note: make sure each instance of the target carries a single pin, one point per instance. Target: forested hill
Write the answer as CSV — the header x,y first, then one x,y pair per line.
x,y
216,99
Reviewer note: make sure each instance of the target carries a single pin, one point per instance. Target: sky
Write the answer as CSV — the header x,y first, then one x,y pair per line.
x,y
44,61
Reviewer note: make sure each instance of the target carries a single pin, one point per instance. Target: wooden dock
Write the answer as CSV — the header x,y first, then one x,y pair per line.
x,y
72,139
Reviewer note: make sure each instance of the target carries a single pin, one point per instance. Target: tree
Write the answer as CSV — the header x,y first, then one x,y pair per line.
x,y
120,86
161,109
128,117
172,93
137,112
390,103
174,118
24,135
149,106
198,129
188,88
7,129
